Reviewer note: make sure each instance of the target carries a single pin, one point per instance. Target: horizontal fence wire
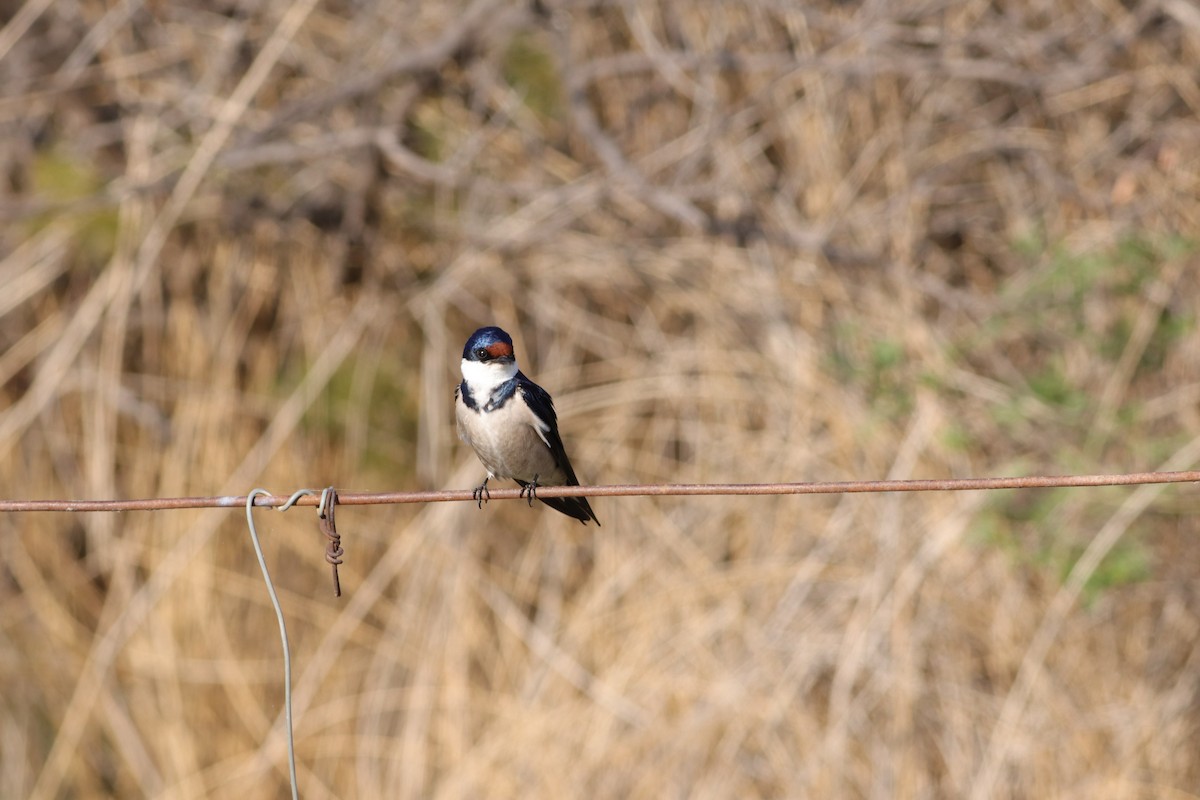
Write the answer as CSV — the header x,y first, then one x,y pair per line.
x,y
628,490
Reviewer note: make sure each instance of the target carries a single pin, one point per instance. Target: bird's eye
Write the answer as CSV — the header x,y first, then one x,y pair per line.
x,y
481,353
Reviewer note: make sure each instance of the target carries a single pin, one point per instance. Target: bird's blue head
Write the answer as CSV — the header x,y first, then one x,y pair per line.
x,y
488,345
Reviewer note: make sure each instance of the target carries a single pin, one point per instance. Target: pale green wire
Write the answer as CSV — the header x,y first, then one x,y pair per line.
x,y
287,658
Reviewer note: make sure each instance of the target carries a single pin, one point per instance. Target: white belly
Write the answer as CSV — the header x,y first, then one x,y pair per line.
x,y
508,442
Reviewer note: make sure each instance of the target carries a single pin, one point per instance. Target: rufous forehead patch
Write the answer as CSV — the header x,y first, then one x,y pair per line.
x,y
499,349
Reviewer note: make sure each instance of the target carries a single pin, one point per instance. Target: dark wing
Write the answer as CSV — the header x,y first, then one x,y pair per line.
x,y
540,402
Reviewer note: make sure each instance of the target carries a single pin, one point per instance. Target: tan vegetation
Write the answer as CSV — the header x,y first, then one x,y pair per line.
x,y
243,243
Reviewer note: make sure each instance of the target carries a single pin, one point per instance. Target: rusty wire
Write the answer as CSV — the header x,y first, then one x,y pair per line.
x,y
693,489
333,539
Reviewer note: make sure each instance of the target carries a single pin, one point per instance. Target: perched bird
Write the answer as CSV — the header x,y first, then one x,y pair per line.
x,y
510,423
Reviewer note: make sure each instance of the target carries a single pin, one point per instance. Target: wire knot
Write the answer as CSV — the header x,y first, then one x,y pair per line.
x,y
333,544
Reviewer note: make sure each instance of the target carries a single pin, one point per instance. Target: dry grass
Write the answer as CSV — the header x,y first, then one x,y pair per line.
x,y
242,246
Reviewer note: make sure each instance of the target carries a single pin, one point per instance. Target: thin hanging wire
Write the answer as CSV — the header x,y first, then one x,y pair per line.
x,y
287,657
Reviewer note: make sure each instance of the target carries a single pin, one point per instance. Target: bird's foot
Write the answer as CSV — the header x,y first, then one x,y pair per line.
x,y
529,490
481,494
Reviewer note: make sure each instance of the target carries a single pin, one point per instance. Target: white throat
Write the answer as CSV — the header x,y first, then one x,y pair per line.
x,y
483,377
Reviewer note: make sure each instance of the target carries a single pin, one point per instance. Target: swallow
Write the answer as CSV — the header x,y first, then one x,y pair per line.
x,y
510,423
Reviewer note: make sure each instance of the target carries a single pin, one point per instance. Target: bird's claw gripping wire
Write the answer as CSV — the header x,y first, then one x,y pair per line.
x,y
481,494
529,490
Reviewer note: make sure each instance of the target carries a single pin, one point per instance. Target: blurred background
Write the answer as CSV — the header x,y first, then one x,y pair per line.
x,y
242,244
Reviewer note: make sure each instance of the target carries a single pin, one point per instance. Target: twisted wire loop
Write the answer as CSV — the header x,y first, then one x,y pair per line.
x,y
333,545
